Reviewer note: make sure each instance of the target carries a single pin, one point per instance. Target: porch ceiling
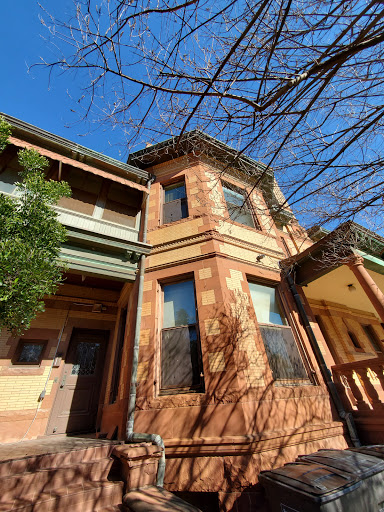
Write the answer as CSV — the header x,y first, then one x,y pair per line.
x,y
333,287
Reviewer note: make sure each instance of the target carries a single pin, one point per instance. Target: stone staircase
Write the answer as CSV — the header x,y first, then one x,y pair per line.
x,y
64,474
82,479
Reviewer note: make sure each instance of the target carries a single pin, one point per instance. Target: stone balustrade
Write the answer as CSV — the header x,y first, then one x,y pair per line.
x,y
361,384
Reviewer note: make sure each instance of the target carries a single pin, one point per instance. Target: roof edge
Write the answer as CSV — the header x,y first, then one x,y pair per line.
x,y
178,146
56,140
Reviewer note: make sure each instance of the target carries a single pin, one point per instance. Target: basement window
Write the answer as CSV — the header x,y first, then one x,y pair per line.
x,y
175,203
181,364
280,345
29,352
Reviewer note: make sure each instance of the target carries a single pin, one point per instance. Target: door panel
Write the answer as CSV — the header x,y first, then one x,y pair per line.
x,y
77,398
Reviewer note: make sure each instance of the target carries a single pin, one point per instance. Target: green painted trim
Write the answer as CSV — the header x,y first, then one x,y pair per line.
x,y
118,276
372,263
95,267
107,242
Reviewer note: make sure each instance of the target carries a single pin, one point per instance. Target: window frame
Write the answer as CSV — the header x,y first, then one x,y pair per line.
x,y
180,181
117,356
283,311
373,339
247,205
19,349
173,390
355,341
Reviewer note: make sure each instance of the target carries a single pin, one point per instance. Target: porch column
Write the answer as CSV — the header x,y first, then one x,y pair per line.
x,y
373,292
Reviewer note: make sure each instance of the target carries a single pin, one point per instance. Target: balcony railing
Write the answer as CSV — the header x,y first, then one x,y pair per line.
x,y
361,384
74,219
361,388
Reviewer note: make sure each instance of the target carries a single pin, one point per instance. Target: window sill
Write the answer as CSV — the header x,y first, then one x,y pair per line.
x,y
180,391
258,230
179,221
293,382
25,365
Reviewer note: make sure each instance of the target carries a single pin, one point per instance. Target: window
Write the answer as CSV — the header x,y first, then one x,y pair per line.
x,y
29,352
238,207
280,346
181,367
374,340
175,203
355,341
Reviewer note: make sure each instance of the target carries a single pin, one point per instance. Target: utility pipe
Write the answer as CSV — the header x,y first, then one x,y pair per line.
x,y
344,415
130,435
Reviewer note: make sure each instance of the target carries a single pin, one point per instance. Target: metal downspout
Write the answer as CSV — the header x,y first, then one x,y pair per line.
x,y
130,435
325,372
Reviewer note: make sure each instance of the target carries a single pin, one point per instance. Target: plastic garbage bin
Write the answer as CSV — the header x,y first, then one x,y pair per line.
x,y
366,468
310,487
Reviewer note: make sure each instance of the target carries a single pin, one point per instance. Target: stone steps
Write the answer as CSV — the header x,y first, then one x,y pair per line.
x,y
88,497
46,480
79,479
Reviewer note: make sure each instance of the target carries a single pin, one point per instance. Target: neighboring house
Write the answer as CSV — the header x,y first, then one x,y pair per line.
x,y
342,279
70,351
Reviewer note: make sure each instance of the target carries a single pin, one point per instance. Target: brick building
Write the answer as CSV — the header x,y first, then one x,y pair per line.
x,y
242,391
68,354
226,372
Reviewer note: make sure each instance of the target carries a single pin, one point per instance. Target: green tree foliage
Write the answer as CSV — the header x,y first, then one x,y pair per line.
x,y
5,132
30,240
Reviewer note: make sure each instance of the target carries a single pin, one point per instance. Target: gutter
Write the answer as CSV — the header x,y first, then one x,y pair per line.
x,y
132,436
325,372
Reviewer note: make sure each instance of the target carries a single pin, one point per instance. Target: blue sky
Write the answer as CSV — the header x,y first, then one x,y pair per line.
x,y
30,96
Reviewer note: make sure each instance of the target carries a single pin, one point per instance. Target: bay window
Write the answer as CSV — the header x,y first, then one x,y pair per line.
x,y
238,206
181,367
175,205
280,345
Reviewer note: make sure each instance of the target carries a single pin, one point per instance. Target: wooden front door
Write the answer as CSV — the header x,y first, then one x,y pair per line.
x,y
77,398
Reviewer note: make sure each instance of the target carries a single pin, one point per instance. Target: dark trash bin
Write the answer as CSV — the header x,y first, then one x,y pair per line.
x,y
311,487
374,450
369,470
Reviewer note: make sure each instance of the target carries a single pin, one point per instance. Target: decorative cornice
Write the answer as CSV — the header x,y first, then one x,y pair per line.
x,y
220,237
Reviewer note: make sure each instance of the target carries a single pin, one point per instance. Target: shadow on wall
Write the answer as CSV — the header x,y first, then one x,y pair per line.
x,y
249,420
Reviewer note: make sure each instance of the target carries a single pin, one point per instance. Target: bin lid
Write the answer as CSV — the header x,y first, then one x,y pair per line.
x,y
355,463
320,483
374,450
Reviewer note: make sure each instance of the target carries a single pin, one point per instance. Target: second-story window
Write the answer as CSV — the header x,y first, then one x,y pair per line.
x,y
238,206
175,202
